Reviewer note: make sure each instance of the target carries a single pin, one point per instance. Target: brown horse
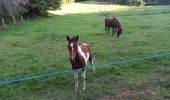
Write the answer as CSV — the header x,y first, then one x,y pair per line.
x,y
114,23
79,56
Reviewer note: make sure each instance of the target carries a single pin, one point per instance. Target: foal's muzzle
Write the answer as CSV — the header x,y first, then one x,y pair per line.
x,y
72,60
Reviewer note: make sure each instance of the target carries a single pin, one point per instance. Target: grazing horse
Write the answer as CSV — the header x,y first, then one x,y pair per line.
x,y
114,23
79,56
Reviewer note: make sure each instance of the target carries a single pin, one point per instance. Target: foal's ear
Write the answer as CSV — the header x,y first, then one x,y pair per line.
x,y
76,38
68,38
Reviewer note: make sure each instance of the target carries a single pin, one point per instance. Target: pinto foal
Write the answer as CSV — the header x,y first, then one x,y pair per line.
x,y
79,56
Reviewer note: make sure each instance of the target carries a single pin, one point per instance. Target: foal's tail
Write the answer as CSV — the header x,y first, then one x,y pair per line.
x,y
91,59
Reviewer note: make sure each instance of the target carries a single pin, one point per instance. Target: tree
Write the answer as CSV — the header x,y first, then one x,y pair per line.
x,y
142,2
17,7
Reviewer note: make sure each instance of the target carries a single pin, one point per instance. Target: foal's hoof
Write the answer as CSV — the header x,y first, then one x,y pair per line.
x,y
94,73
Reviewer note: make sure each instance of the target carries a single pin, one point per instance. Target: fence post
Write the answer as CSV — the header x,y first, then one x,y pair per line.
x,y
28,17
14,19
22,18
3,22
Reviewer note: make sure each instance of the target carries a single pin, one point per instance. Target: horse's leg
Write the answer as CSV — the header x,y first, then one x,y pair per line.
x,y
108,29
84,79
76,79
105,29
113,29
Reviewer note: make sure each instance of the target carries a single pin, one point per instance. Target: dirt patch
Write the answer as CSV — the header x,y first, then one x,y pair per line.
x,y
106,98
114,81
165,72
138,93
142,92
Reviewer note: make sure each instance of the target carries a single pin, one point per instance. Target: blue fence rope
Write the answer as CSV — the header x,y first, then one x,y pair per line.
x,y
99,65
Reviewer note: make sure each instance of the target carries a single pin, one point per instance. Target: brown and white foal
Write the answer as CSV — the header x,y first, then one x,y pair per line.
x,y
79,56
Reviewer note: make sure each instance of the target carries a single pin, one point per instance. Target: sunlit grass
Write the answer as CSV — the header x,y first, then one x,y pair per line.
x,y
88,7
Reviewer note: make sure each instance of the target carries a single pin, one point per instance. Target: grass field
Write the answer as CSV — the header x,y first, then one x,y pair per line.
x,y
39,46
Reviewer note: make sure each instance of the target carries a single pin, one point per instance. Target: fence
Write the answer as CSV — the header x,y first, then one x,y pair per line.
x,y
4,22
99,66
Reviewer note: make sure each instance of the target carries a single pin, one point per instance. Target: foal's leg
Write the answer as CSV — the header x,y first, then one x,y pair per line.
x,y
84,79
91,62
92,65
76,79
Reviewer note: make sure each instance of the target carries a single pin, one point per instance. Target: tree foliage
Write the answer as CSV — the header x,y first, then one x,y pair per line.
x,y
143,2
17,7
157,2
128,2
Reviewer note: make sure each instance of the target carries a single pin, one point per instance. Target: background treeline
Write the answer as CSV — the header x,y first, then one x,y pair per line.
x,y
9,8
143,2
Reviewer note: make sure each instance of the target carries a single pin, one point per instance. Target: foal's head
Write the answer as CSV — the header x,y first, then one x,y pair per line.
x,y
72,47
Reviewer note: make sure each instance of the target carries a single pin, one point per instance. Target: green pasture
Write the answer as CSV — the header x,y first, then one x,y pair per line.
x,y
39,46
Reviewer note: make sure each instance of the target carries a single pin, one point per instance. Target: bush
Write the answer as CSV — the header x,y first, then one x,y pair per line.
x,y
157,2
142,2
13,7
44,5
129,2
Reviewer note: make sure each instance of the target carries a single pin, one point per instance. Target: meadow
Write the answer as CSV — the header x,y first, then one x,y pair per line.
x,y
39,46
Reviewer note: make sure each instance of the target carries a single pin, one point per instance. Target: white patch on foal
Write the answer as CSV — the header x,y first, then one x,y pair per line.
x,y
71,44
86,58
84,44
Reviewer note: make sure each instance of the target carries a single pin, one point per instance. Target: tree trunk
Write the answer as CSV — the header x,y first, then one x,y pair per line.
x,y
142,2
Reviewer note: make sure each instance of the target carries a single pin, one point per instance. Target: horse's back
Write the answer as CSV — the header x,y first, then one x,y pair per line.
x,y
110,21
85,47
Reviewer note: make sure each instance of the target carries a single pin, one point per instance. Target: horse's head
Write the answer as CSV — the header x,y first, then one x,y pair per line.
x,y
119,31
72,47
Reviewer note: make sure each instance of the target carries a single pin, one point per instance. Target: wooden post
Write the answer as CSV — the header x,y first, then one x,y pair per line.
x,y
14,20
22,18
28,17
3,22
